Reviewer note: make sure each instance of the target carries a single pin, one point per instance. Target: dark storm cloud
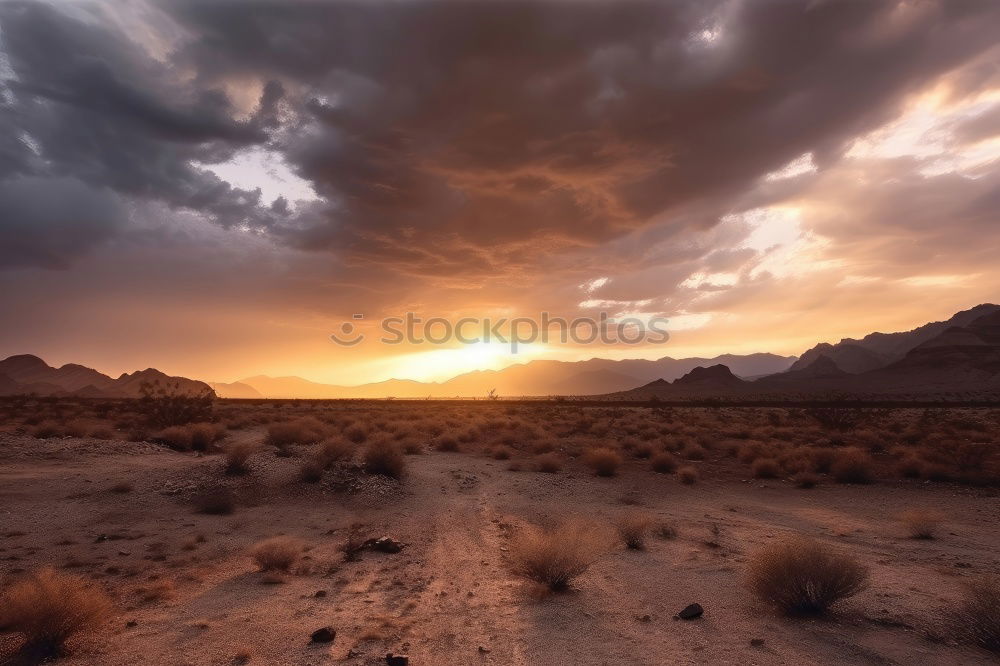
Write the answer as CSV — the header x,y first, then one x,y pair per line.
x,y
48,221
87,104
465,139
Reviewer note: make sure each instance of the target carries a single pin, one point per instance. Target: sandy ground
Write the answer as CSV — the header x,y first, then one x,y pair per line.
x,y
448,597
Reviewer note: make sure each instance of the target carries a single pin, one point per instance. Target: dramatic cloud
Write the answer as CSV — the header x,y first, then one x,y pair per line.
x,y
700,159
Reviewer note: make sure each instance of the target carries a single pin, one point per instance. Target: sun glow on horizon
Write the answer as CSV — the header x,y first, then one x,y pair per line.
x,y
442,364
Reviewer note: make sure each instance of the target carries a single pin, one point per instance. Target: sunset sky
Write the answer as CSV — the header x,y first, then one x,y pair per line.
x,y
212,188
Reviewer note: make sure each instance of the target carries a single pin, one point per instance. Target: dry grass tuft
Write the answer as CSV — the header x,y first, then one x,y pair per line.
x,y
852,466
277,553
977,619
663,463
633,528
687,475
383,457
800,576
921,523
555,557
550,463
48,607
219,501
806,480
604,461
765,468
238,456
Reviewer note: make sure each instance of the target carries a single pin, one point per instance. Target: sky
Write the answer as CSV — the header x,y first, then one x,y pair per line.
x,y
213,188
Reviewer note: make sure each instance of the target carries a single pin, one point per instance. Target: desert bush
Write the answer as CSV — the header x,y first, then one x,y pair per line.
x,y
238,456
47,430
166,405
665,531
852,466
204,435
910,467
693,452
805,480
102,432
765,468
977,618
555,557
306,430
642,451
632,528
77,428
383,457
311,470
218,501
688,475
550,463
921,523
277,553
334,450
412,447
176,437
48,607
663,463
801,576
356,433
604,461
447,444
502,452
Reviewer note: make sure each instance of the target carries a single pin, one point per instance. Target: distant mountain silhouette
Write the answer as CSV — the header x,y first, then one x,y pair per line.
x,y
25,374
944,361
877,350
535,378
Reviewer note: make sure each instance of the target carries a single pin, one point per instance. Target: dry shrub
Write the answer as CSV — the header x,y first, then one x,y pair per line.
x,y
665,531
102,432
48,607
687,475
447,444
806,480
238,456
921,523
555,557
311,470
694,452
306,430
383,457
204,435
633,527
176,437
502,453
356,433
277,553
218,501
334,450
977,619
549,463
910,467
765,468
158,591
642,451
852,466
604,461
413,448
800,576
663,463
77,428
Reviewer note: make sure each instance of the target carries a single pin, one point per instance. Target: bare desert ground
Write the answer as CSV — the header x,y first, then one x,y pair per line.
x,y
186,589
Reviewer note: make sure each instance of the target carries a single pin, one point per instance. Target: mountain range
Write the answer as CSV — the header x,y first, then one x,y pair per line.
x,y
25,373
957,357
960,355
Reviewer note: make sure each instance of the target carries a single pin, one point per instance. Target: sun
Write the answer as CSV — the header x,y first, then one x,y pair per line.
x,y
443,364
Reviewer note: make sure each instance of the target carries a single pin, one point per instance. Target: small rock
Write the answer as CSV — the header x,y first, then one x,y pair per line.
x,y
320,594
397,660
131,623
644,618
323,635
756,642
387,545
483,650
691,612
